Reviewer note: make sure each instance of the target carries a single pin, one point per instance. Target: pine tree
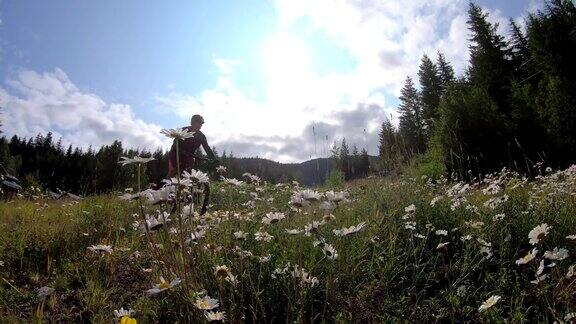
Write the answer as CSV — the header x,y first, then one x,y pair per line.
x,y
411,124
344,159
489,67
430,92
445,71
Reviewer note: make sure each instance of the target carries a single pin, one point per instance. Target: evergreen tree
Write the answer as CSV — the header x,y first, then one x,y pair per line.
x,y
411,123
489,67
445,72
430,92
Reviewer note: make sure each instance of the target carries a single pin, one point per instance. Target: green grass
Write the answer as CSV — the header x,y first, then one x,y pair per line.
x,y
382,273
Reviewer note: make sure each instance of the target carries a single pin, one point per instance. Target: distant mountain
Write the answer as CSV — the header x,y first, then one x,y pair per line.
x,y
310,173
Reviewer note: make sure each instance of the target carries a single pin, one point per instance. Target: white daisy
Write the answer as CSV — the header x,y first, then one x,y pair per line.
x,y
271,217
349,230
179,133
489,302
528,257
123,312
163,285
215,316
263,236
240,235
556,254
137,159
206,303
100,248
538,233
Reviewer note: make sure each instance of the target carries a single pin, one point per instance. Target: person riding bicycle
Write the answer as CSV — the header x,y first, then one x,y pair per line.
x,y
187,147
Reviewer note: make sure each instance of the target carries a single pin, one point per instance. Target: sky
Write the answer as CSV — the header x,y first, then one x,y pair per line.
x,y
277,79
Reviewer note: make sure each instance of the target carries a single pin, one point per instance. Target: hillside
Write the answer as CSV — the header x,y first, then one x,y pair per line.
x,y
310,173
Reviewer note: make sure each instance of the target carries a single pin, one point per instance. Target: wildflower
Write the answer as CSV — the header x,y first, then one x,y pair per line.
x,y
435,200
528,257
350,230
163,285
336,197
221,271
214,248
571,237
569,316
264,258
240,235
538,233
489,302
475,224
155,223
195,236
125,316
466,238
233,181
407,225
483,242
441,232
206,303
486,251
442,245
293,231
498,217
303,276
420,236
540,268
329,251
539,279
44,292
410,209
100,247
556,254
215,316
180,133
312,227
310,195
298,201
197,176
137,159
272,218
231,279
263,236
220,169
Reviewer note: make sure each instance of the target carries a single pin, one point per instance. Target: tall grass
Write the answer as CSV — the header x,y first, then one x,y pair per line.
x,y
384,272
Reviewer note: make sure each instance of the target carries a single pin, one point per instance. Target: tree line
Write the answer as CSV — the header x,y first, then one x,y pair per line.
x,y
514,106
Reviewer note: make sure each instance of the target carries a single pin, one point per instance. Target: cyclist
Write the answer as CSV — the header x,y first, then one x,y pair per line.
x,y
187,147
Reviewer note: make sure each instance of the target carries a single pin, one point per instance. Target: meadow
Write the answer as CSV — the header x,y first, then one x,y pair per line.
x,y
416,249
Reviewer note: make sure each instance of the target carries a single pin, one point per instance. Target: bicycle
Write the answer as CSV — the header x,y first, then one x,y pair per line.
x,y
198,197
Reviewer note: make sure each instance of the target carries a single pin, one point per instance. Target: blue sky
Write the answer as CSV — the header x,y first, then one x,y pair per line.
x,y
263,73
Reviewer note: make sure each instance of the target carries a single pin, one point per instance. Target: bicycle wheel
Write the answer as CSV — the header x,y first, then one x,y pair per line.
x,y
202,198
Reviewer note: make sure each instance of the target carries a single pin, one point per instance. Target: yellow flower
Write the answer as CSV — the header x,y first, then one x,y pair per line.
x,y
128,320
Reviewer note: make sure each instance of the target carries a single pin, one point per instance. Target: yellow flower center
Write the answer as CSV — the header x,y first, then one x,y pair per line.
x,y
164,285
128,320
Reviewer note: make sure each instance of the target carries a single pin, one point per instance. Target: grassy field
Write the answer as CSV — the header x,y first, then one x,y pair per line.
x,y
423,251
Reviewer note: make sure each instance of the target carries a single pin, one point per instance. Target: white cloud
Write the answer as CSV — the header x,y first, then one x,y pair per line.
x,y
386,40
41,102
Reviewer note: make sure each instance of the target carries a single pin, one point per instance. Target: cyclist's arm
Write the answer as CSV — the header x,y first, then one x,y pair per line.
x,y
207,148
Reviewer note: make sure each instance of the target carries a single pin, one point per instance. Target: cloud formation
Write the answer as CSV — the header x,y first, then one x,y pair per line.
x,y
35,103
